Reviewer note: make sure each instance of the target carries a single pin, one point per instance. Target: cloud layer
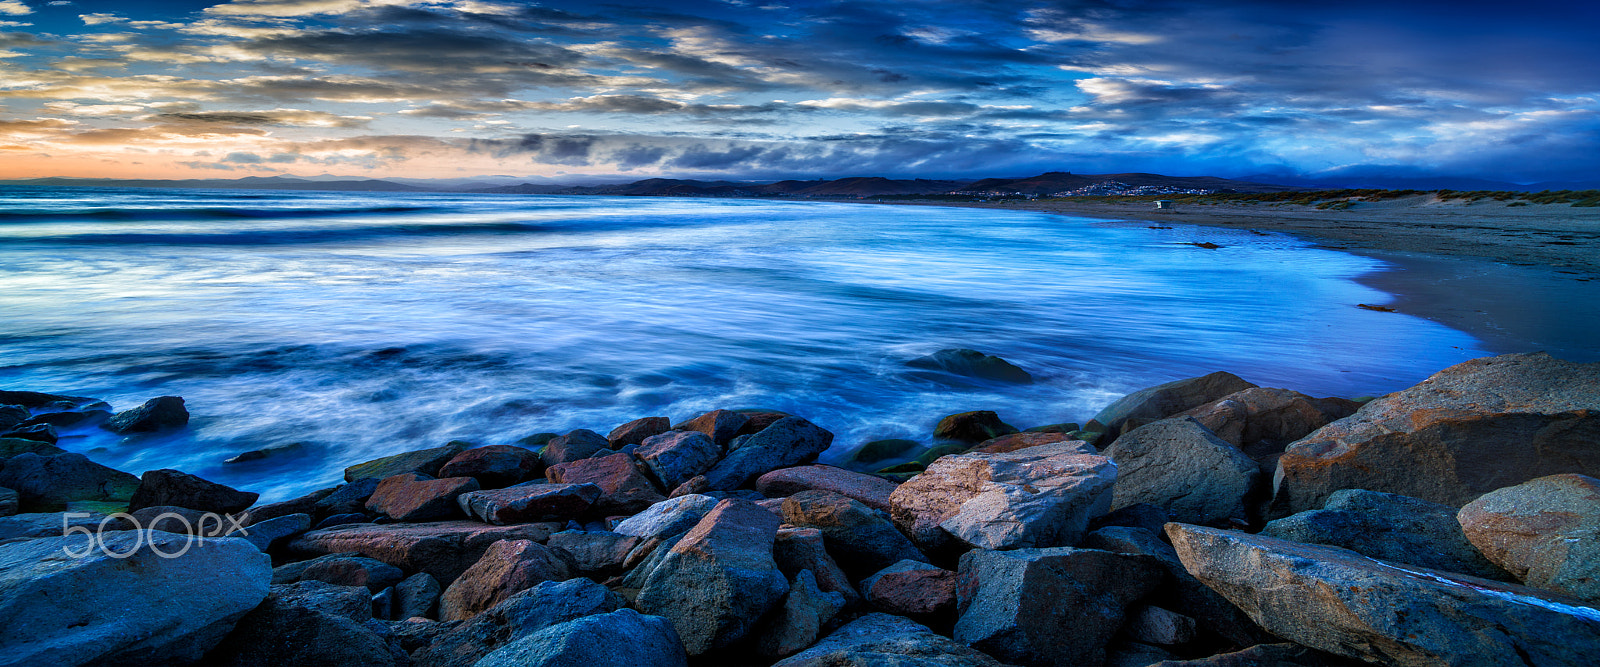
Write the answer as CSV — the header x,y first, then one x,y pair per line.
x,y
945,88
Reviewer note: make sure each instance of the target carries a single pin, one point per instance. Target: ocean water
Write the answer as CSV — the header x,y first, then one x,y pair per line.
x,y
368,324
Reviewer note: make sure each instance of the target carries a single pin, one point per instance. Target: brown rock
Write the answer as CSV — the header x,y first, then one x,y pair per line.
x,y
508,567
1471,428
869,490
170,487
919,591
1546,532
414,497
976,426
1261,422
423,461
443,549
623,488
576,445
1166,400
720,425
1016,441
759,420
494,466
635,432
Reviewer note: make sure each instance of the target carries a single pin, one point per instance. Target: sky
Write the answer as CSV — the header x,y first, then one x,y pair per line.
x,y
768,89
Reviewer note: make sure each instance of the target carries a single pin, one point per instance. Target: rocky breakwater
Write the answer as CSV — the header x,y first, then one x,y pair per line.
x,y
1156,533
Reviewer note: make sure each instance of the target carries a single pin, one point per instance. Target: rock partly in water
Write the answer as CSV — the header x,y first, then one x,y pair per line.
x,y
972,427
622,638
862,540
547,604
1166,400
722,426
787,442
48,483
1469,429
881,640
1181,467
1045,607
799,620
576,445
972,363
414,497
1035,497
444,549
1545,531
717,582
140,608
624,489
11,447
272,453
1390,527
422,461
40,432
181,489
494,466
873,454
1344,603
347,498
637,431
508,567
156,414
529,502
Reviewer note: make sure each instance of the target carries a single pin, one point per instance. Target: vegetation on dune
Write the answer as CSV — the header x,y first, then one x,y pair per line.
x,y
1339,200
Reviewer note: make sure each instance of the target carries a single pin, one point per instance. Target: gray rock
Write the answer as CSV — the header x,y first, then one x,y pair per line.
x,y
306,504
140,609
787,442
275,452
668,517
158,413
508,567
342,570
1042,607
1390,527
1166,400
637,431
796,549
1125,653
870,490
11,415
860,539
348,498
36,400
40,432
1214,615
1179,466
309,623
1545,531
547,604
623,638
717,581
675,457
529,502
1154,625
1344,603
444,549
972,363
10,502
55,524
720,425
799,620
48,483
422,461
181,489
416,596
881,640
276,532
576,445
11,447
342,519
597,553
1469,429
1266,655
1034,497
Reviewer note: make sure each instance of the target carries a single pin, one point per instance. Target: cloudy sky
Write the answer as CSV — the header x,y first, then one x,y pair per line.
x,y
569,91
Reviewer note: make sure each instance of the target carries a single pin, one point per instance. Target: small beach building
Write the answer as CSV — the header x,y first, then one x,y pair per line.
x,y
1163,204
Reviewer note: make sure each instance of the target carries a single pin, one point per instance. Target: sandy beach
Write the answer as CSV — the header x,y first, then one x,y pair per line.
x,y
1518,278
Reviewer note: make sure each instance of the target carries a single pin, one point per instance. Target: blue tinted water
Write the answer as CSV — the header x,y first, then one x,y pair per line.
x,y
367,324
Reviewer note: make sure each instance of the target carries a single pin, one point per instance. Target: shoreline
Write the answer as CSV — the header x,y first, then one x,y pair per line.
x,y
1516,279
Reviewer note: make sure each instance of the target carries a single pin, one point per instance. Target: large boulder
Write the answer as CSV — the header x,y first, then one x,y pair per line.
x,y
11,447
972,363
529,502
675,457
1545,531
1389,527
158,413
309,623
443,549
11,415
48,483
797,549
623,488
881,640
1265,655
1169,399
1045,607
414,497
669,517
719,425
341,570
915,590
306,504
637,431
871,490
547,604
422,461
416,596
55,524
1472,428
972,427
1344,603
508,567
787,442
1181,467
1262,421
717,581
181,489
1036,497
862,540
348,498
494,466
1214,615
138,608
576,445
799,620
1016,441
622,638
596,553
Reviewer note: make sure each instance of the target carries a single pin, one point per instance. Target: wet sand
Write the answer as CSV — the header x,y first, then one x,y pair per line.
x,y
1517,278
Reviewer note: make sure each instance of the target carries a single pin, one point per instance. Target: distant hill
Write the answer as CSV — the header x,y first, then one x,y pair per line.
x,y
866,186
1060,181
250,183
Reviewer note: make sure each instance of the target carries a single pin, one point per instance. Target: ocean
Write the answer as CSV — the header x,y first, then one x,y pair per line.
x,y
365,324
